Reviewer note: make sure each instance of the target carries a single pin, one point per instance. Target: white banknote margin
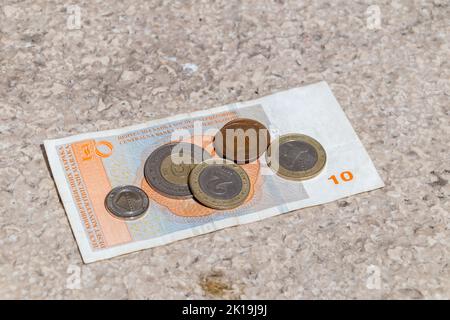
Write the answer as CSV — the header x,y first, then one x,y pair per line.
x,y
91,256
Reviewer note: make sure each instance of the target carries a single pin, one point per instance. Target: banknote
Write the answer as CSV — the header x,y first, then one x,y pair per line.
x,y
86,167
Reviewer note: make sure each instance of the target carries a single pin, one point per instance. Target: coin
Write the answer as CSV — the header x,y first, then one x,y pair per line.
x,y
167,168
127,202
219,184
242,140
296,157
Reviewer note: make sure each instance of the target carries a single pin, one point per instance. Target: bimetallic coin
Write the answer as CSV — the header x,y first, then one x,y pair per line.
x,y
175,173
242,140
167,168
219,184
127,202
296,157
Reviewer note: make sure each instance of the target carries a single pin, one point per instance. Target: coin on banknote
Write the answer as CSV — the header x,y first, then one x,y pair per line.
x,y
219,184
242,140
296,156
127,202
167,168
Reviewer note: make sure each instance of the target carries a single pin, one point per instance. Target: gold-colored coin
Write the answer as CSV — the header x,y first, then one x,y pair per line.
x,y
219,184
242,140
296,157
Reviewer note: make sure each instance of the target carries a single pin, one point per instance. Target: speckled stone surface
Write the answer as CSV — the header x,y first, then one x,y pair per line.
x,y
127,62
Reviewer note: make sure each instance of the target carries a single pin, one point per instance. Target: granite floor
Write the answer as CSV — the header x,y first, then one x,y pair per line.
x,y
68,67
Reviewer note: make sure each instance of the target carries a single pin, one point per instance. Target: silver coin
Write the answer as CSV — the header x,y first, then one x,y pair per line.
x,y
127,202
168,178
297,155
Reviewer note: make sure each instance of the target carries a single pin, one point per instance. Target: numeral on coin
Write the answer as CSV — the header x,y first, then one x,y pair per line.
x,y
345,177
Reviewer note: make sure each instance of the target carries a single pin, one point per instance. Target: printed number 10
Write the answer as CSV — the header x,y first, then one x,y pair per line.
x,y
345,177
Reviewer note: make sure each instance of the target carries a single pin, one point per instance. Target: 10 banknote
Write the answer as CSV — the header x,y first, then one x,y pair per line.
x,y
88,166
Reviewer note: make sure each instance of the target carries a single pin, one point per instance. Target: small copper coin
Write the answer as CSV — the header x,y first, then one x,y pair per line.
x,y
242,140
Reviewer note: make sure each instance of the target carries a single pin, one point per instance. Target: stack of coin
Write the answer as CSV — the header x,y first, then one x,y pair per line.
x,y
242,140
167,168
